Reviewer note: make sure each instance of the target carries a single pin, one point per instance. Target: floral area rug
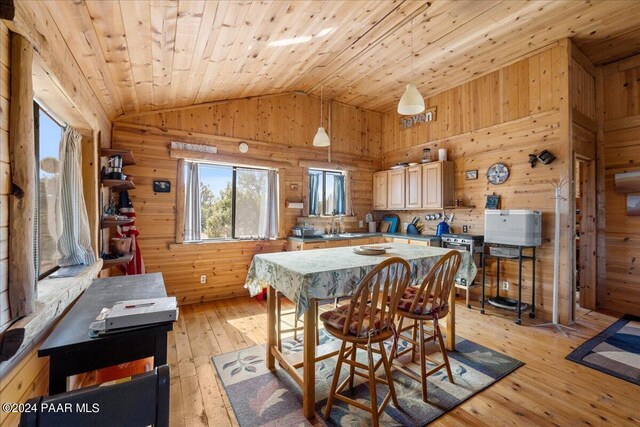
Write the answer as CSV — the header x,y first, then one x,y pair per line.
x,y
614,351
261,397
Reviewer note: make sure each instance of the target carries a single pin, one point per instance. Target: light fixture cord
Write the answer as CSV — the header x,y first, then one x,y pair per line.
x,y
411,50
321,94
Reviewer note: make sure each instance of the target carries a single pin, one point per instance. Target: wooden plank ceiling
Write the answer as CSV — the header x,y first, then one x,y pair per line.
x,y
148,55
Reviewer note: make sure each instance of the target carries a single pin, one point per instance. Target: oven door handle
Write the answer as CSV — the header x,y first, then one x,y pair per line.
x,y
457,246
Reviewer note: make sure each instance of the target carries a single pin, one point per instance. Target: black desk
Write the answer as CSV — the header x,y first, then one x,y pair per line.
x,y
70,349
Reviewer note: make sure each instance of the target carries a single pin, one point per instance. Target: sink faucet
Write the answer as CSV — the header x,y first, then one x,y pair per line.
x,y
335,230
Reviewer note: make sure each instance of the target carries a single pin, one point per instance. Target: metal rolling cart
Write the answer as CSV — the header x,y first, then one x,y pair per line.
x,y
509,252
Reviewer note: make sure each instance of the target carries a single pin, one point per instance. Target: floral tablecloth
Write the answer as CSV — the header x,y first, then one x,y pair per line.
x,y
328,273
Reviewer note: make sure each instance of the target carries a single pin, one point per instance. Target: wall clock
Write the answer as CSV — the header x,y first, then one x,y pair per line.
x,y
498,173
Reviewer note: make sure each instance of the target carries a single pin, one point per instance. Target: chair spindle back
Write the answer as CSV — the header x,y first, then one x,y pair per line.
x,y
380,290
437,284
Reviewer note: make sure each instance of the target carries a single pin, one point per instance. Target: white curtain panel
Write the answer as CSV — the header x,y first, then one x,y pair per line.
x,y
74,244
270,224
192,219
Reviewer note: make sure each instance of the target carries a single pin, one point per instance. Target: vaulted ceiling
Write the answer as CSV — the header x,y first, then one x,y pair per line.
x,y
147,55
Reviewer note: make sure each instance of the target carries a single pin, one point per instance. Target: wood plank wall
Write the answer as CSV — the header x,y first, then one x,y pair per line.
x,y
501,117
5,176
279,128
619,148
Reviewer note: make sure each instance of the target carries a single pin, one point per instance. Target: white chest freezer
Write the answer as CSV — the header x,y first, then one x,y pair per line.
x,y
517,227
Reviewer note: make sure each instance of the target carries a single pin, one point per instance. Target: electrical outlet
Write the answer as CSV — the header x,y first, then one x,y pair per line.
x,y
505,285
465,228
203,278
360,223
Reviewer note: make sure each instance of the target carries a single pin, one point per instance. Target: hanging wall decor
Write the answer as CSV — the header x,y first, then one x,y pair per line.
x,y
162,186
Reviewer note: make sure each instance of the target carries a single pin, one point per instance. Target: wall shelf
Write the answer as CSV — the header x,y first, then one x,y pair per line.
x,y
459,207
127,155
106,223
119,184
108,263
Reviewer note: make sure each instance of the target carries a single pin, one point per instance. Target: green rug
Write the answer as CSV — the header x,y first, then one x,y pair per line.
x,y
262,397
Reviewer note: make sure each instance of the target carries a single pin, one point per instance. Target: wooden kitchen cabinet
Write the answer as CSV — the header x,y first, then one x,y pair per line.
x,y
437,185
413,182
396,189
337,243
360,241
380,190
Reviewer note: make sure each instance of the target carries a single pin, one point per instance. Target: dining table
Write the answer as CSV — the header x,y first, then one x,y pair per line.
x,y
320,274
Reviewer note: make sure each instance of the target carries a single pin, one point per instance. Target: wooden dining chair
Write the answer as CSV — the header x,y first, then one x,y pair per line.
x,y
428,302
363,323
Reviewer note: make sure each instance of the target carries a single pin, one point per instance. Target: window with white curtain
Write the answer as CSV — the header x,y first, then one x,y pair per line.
x,y
48,135
326,192
233,202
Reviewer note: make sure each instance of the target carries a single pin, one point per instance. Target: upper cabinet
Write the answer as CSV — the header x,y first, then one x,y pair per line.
x,y
396,188
428,186
380,190
413,182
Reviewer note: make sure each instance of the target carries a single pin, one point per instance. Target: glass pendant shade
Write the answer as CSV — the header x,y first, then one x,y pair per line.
x,y
411,102
321,139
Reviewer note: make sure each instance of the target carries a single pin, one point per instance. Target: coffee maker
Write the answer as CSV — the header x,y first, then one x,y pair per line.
x,y
115,167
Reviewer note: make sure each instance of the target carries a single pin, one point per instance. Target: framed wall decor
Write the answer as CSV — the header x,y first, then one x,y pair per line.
x,y
162,186
471,174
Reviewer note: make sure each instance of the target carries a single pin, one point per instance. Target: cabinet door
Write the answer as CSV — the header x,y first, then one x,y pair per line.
x,y
294,245
399,240
359,242
377,239
314,245
414,187
396,189
337,243
432,186
380,190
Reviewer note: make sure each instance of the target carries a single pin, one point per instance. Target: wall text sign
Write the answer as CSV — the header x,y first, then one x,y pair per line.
x,y
409,121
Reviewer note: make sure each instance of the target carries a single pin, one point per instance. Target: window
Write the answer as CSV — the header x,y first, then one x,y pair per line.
x,y
326,192
48,134
234,202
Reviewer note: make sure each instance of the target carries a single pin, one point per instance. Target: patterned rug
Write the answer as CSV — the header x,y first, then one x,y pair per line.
x,y
260,397
614,351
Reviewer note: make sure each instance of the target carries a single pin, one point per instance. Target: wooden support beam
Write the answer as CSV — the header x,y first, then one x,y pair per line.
x,y
7,9
22,274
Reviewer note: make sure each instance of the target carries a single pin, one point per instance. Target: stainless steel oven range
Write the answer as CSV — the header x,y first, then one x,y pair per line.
x,y
471,244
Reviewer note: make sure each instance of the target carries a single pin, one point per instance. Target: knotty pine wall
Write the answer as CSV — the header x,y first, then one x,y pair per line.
x,y
502,117
279,128
619,151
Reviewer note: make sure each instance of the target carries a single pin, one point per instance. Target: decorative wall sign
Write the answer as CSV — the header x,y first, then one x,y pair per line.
x,y
162,186
472,174
428,116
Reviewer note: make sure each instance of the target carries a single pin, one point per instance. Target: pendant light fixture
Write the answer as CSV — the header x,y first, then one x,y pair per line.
x,y
321,139
412,101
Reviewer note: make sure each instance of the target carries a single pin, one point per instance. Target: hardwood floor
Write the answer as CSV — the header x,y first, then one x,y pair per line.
x,y
547,390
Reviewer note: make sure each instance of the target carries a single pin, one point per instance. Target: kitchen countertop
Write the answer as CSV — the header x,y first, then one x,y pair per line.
x,y
346,236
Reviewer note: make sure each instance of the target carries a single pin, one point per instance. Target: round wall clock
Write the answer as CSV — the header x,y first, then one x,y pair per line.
x,y
498,173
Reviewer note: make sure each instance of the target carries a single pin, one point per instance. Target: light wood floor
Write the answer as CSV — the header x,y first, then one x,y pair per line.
x,y
548,390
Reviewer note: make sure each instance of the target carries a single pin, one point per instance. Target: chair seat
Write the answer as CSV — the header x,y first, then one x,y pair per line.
x,y
336,318
409,295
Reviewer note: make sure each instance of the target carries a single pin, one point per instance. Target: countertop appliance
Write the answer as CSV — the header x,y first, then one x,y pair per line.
x,y
469,243
305,231
517,227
